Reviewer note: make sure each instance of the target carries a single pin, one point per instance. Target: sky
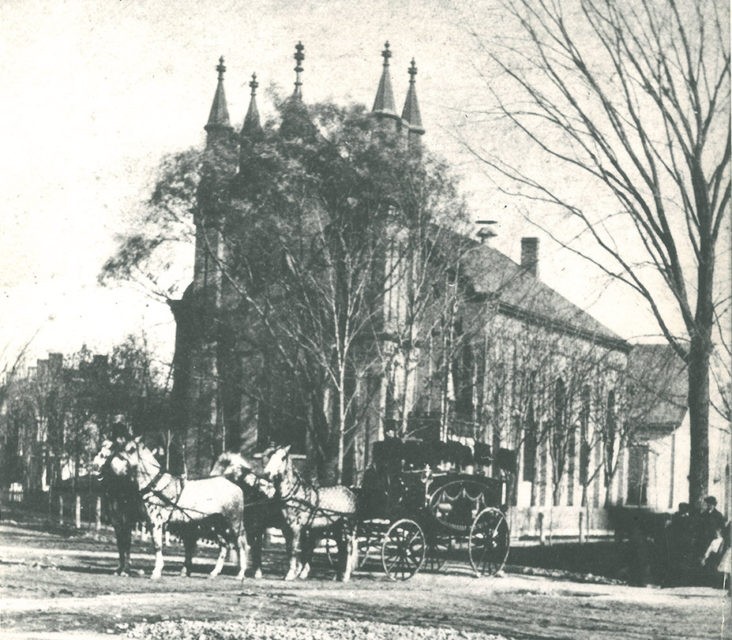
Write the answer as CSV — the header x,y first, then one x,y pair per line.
x,y
95,93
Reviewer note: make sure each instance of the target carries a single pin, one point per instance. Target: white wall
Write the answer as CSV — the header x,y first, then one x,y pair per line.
x,y
669,466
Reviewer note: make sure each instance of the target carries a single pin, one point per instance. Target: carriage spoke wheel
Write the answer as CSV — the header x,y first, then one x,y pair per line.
x,y
403,549
488,542
437,552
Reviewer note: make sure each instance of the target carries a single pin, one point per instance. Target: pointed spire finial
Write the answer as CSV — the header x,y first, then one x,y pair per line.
x,y
386,54
299,57
252,127
218,117
384,101
410,113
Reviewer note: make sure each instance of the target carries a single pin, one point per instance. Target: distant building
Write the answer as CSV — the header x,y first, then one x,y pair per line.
x,y
49,421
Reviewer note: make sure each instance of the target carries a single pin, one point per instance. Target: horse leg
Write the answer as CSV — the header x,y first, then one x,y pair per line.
x,y
125,544
309,542
292,545
223,552
254,538
157,537
243,547
351,550
119,536
190,538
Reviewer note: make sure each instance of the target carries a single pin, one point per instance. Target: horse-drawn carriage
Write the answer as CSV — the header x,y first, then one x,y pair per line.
x,y
422,502
419,502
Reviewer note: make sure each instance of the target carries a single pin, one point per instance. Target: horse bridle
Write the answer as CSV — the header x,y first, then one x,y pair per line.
x,y
149,487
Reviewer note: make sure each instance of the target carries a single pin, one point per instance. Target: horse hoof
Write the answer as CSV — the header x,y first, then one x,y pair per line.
x,y
290,577
155,576
258,574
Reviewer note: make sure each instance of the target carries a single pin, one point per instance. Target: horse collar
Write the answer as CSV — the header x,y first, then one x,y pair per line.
x,y
295,486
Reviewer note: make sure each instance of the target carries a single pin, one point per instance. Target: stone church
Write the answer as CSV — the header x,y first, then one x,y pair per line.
x,y
510,363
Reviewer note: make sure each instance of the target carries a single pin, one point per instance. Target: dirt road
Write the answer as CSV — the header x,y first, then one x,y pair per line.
x,y
55,585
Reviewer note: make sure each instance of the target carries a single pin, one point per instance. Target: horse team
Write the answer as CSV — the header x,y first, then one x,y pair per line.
x,y
234,505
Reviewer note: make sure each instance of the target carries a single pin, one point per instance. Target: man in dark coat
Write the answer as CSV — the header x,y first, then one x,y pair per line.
x,y
710,522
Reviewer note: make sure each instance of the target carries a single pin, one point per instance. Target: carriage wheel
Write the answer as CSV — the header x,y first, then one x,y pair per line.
x,y
403,549
437,552
488,542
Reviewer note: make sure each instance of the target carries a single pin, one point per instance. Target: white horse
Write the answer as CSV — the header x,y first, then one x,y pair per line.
x,y
309,512
210,502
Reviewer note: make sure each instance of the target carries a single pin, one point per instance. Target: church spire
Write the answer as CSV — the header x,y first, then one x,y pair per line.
x,y
384,102
252,124
218,118
299,57
296,121
410,113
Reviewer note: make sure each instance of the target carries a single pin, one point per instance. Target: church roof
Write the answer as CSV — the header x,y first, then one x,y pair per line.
x,y
659,385
411,113
384,101
219,114
520,294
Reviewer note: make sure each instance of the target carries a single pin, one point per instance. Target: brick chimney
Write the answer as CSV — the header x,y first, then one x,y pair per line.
x,y
530,255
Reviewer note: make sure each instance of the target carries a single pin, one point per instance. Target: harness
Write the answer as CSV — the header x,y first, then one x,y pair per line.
x,y
313,509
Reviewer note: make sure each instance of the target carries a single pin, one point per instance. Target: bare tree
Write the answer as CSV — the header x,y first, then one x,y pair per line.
x,y
634,96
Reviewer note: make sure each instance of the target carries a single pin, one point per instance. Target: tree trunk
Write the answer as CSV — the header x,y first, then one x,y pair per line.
x,y
700,349
698,422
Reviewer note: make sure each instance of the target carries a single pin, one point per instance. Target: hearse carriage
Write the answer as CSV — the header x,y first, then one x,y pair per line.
x,y
423,501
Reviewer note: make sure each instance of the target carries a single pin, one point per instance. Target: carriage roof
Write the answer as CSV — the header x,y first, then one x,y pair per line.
x,y
416,454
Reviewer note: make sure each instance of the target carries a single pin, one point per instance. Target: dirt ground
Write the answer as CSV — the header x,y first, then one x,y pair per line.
x,y
56,586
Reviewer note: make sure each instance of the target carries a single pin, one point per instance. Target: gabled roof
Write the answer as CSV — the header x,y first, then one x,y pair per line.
x,y
658,380
522,295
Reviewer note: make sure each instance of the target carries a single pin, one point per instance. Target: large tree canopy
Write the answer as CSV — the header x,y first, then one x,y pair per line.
x,y
322,220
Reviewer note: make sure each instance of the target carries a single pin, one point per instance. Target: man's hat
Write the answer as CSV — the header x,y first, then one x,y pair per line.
x,y
711,500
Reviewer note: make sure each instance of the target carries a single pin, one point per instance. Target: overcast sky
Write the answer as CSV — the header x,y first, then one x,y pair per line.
x,y
94,93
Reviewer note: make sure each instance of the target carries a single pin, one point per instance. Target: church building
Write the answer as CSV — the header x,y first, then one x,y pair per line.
x,y
507,362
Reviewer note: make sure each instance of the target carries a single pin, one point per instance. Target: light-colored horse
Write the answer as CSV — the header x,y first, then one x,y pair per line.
x,y
261,511
168,499
310,512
